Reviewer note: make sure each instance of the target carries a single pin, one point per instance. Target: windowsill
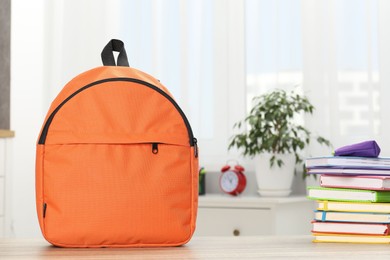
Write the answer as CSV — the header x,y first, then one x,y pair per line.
x,y
6,133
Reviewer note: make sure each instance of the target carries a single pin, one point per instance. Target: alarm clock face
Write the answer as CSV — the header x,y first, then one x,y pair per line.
x,y
229,181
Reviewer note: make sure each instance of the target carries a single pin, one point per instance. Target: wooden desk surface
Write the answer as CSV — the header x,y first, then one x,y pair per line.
x,y
261,247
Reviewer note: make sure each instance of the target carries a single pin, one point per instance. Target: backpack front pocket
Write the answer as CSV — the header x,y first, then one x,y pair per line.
x,y
129,193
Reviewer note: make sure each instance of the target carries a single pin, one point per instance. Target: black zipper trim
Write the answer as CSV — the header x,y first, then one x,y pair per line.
x,y
44,210
42,138
196,150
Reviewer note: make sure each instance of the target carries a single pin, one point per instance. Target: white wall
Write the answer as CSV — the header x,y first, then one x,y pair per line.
x,y
26,110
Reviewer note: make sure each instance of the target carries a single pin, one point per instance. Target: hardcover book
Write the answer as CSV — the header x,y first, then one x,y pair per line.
x,y
353,206
348,162
341,194
356,182
348,171
362,217
350,228
338,238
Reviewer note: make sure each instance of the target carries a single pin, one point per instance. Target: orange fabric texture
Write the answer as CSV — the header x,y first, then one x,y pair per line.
x,y
116,164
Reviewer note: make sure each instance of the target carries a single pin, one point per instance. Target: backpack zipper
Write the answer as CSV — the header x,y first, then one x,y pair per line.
x,y
196,152
42,138
155,148
44,210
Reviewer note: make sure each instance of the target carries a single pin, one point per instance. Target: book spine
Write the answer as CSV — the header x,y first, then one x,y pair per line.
x,y
323,216
382,196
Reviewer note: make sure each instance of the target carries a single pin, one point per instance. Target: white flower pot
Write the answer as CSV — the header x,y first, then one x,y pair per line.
x,y
275,181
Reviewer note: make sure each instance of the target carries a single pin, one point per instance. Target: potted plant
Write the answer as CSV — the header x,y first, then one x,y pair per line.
x,y
272,136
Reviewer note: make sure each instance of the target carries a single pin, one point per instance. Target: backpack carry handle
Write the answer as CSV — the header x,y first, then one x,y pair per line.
x,y
108,55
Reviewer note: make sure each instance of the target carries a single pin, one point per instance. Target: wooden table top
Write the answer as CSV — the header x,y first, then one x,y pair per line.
x,y
259,247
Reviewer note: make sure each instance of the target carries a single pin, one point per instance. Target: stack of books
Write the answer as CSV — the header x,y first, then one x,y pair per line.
x,y
353,199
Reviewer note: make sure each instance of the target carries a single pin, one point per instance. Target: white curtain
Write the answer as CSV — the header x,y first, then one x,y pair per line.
x,y
345,69
335,52
216,55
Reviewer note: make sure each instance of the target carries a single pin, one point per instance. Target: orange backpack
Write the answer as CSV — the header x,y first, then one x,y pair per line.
x,y
116,162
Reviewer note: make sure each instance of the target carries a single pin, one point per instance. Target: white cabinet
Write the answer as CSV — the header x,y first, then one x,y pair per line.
x,y
220,215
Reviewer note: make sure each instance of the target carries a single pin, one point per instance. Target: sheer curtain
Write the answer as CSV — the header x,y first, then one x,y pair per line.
x,y
345,69
174,41
335,52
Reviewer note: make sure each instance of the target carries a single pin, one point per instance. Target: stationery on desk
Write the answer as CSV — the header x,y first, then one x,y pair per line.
x,y
353,200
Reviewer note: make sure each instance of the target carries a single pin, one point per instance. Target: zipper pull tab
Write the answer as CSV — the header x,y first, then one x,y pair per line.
x,y
44,210
195,147
155,148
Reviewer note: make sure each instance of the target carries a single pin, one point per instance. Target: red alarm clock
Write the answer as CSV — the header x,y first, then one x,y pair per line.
x,y
232,180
